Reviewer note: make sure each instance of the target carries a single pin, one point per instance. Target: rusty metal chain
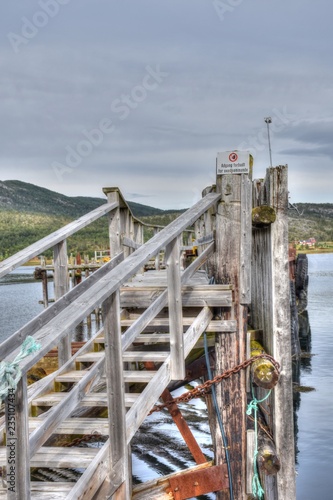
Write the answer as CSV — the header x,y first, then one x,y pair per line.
x,y
96,436
204,388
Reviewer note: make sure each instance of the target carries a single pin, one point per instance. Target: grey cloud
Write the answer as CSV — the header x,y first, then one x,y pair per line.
x,y
224,78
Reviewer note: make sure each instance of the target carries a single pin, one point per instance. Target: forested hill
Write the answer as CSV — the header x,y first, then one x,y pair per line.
x,y
311,220
29,212
24,197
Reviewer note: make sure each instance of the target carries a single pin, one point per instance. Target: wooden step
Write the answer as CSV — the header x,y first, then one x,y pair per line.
x,y
41,490
129,376
71,376
59,456
128,356
141,376
192,296
79,426
163,323
90,400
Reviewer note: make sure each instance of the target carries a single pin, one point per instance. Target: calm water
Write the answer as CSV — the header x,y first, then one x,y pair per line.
x,y
314,417
315,413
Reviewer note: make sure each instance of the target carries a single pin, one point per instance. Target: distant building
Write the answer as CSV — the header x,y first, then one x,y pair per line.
x,y
310,242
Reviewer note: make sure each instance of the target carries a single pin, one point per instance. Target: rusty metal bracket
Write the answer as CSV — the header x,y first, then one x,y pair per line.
x,y
195,483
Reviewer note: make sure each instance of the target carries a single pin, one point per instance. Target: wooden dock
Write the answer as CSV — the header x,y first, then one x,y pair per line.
x,y
152,321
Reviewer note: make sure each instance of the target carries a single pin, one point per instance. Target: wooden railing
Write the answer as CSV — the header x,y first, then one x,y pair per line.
x,y
54,325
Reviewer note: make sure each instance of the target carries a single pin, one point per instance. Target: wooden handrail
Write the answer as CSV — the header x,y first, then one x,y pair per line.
x,y
59,326
7,265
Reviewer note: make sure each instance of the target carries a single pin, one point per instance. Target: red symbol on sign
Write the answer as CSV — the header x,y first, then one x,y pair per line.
x,y
233,157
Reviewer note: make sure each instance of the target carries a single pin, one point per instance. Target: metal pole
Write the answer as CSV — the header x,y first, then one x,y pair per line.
x,y
268,120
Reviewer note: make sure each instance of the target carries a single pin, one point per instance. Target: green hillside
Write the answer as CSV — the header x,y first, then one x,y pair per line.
x,y
29,212
311,220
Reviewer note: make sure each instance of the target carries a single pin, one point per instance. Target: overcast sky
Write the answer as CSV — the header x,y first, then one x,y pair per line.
x,y
142,94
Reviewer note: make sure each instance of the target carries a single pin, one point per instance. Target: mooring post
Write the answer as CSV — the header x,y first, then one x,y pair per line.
x,y
233,253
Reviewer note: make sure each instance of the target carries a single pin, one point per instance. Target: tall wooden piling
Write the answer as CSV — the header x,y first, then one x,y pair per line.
x,y
270,312
233,247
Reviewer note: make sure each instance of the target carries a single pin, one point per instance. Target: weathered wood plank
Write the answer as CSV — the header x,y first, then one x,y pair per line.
x,y
246,241
114,222
163,323
198,296
61,285
45,490
127,242
282,394
231,349
7,265
58,456
128,356
76,426
16,460
172,259
115,382
98,399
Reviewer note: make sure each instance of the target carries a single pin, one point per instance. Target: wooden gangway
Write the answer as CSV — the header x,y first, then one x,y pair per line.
x,y
151,323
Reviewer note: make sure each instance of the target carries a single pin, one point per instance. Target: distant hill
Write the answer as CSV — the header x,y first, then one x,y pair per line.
x,y
29,212
311,220
24,197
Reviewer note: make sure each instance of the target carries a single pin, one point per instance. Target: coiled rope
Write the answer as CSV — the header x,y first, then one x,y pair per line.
x,y
10,372
257,489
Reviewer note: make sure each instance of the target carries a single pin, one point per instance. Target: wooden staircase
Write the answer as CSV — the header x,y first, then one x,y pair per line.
x,y
72,389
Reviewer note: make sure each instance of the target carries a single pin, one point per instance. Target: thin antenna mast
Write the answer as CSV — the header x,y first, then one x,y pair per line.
x,y
268,120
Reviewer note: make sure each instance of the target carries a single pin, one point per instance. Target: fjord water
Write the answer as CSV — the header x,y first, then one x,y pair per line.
x,y
315,413
19,296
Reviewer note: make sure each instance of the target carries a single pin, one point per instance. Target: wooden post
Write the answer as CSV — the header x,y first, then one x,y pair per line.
x,y
116,396
157,256
17,443
282,394
270,312
125,227
172,256
45,289
114,222
232,261
61,286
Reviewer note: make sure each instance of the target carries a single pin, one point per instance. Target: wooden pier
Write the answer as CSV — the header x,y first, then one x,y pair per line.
x,y
152,321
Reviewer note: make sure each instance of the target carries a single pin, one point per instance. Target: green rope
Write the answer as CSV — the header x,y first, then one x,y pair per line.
x,y
10,373
257,490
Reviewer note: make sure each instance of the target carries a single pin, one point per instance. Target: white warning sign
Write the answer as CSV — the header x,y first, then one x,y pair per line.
x,y
233,162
